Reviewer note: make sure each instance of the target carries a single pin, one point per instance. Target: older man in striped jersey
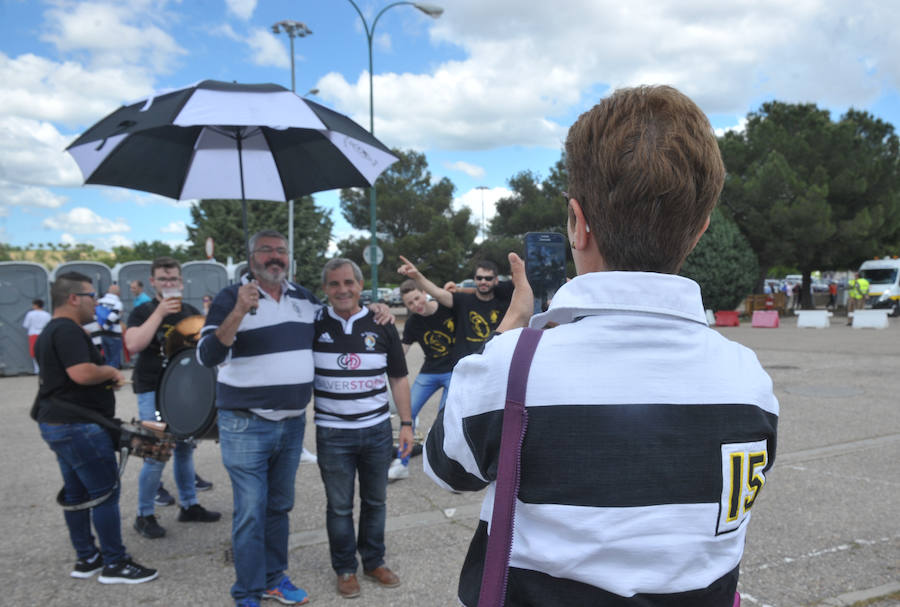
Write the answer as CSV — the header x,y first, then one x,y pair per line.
x,y
356,359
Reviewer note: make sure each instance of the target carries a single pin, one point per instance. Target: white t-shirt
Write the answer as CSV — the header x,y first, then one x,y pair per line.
x,y
35,320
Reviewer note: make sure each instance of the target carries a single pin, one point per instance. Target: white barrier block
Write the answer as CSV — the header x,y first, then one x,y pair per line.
x,y
870,319
813,319
711,318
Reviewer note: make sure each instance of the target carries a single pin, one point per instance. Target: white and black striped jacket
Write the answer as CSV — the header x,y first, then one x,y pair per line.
x,y
649,436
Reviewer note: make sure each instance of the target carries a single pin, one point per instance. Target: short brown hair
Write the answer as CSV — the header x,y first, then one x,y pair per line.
x,y
164,262
645,166
408,285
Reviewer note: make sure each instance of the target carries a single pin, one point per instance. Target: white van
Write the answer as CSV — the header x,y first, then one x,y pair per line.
x,y
884,283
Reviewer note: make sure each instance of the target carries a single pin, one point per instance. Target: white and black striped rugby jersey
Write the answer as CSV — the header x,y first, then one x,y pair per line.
x,y
353,359
649,438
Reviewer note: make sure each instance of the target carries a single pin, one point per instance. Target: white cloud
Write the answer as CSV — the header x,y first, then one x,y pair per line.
x,y
174,227
528,70
243,9
267,49
739,127
113,34
32,153
473,199
12,195
103,243
44,90
82,220
471,170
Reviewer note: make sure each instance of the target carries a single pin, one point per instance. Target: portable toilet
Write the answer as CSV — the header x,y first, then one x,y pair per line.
x,y
99,273
21,282
124,273
202,278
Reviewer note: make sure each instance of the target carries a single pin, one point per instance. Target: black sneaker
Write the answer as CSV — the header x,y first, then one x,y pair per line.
x,y
198,514
126,572
85,568
200,484
162,497
148,527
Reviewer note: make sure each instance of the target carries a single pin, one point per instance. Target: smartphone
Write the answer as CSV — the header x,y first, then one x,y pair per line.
x,y
545,266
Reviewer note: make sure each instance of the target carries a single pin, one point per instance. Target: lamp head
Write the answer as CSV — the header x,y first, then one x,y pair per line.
x,y
432,10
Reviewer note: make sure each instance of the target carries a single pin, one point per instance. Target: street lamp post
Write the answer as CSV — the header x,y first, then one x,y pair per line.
x,y
434,12
483,231
294,29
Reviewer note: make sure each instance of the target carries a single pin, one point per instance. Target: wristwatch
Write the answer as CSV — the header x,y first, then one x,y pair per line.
x,y
402,423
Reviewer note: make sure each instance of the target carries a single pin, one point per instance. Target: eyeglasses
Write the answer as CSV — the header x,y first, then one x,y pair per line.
x,y
265,250
90,294
168,279
484,278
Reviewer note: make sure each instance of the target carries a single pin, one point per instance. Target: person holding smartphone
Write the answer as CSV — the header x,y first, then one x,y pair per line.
x,y
649,434
476,314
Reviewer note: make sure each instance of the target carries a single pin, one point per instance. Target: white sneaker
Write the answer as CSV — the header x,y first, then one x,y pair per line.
x,y
306,456
398,470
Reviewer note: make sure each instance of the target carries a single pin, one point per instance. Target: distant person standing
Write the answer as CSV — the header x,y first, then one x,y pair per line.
x,y
832,295
137,290
34,322
108,313
859,290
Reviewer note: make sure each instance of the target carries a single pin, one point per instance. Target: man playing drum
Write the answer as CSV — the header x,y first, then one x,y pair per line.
x,y
148,327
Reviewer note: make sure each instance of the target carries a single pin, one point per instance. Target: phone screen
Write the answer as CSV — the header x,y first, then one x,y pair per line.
x,y
545,266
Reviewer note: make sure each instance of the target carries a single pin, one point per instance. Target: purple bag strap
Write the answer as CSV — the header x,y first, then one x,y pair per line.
x,y
515,421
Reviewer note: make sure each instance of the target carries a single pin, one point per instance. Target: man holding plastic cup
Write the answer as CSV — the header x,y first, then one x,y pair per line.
x,y
148,325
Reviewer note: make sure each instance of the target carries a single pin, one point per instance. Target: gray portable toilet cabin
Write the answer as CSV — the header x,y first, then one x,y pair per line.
x,y
202,278
124,273
99,273
236,270
21,282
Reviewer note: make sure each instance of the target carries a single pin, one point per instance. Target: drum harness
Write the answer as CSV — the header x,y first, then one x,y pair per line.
x,y
139,439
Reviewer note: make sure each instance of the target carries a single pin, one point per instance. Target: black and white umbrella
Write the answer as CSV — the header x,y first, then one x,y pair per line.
x,y
228,140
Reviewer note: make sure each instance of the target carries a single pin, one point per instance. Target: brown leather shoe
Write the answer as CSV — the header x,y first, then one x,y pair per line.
x,y
347,586
383,576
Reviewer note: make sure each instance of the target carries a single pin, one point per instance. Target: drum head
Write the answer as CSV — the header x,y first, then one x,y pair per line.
x,y
184,334
186,396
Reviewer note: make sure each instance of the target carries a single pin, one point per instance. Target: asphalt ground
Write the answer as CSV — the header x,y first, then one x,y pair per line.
x,y
824,530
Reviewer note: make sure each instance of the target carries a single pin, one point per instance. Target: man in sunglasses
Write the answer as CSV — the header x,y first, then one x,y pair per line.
x,y
476,314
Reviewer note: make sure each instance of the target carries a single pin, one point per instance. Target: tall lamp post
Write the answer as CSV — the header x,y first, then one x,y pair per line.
x,y
434,12
483,231
293,29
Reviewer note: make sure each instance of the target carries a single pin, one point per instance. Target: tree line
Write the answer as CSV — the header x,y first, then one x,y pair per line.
x,y
801,190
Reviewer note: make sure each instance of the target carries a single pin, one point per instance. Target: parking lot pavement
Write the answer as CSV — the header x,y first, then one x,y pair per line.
x,y
823,530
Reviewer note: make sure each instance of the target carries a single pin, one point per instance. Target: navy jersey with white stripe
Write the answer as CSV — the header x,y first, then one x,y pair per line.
x,y
270,365
353,359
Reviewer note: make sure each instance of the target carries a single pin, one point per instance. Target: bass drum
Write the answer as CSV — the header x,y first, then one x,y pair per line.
x,y
186,397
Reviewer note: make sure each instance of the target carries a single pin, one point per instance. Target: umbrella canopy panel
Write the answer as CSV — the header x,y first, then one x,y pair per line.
x,y
224,140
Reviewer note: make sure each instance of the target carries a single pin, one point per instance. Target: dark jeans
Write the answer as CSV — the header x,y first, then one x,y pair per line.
x,y
261,457
88,465
112,351
341,454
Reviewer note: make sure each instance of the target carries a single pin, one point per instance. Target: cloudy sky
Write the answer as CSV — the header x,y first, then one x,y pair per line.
x,y
486,90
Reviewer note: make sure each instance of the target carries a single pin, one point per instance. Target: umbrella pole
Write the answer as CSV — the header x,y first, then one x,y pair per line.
x,y
237,132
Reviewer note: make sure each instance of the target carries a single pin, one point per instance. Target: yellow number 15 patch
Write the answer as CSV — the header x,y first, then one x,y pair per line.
x,y
742,479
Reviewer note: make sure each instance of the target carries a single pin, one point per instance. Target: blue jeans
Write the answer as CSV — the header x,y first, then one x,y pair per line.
x,y
151,472
261,457
87,461
425,385
341,453
112,351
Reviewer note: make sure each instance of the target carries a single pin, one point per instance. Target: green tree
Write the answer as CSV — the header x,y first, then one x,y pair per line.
x,y
812,193
144,250
723,264
221,219
415,218
536,205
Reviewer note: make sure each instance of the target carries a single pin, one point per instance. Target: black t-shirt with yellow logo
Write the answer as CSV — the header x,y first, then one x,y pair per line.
x,y
435,333
477,319
149,365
